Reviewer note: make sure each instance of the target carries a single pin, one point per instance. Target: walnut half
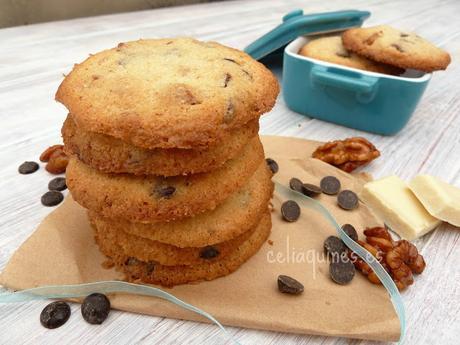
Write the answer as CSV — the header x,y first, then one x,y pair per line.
x,y
347,154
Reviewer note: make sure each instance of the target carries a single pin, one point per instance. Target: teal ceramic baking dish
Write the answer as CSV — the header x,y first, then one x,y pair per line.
x,y
367,101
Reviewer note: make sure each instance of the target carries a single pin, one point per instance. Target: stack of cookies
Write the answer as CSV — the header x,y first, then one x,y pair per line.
x,y
166,158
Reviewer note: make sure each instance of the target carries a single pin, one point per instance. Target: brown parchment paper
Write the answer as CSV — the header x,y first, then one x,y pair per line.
x,y
62,251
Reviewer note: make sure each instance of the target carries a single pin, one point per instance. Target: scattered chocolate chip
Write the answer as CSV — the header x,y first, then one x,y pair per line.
x,y
311,190
272,165
28,168
52,198
95,308
347,200
350,231
289,285
330,185
209,252
290,211
342,271
55,314
398,48
58,183
334,247
296,184
227,79
404,34
165,191
344,54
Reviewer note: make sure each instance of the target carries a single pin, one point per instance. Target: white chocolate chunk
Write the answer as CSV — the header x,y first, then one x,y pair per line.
x,y
439,198
392,200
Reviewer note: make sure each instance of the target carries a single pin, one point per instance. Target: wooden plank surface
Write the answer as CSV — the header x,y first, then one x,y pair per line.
x,y
32,62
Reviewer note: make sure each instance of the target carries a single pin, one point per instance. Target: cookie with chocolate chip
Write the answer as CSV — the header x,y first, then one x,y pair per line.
x,y
112,155
402,49
153,198
168,93
164,254
330,49
240,212
155,273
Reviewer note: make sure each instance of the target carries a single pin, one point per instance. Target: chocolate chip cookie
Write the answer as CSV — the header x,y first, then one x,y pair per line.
x,y
153,198
168,93
154,273
398,48
237,214
162,253
112,155
331,49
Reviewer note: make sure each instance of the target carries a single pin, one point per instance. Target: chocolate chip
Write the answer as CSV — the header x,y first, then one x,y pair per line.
x,y
209,252
334,247
165,191
398,48
289,285
227,79
95,308
311,190
350,231
229,112
290,211
371,39
231,60
347,200
342,271
249,75
330,185
272,165
404,34
185,95
28,168
58,184
296,185
55,314
52,198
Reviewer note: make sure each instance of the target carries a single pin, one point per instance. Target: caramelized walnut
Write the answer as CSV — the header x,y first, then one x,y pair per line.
x,y
57,159
399,258
347,154
45,156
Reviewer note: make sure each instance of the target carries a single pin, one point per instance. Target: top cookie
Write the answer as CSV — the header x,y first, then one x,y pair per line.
x,y
168,93
331,49
402,49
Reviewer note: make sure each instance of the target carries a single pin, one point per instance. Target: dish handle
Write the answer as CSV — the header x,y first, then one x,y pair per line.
x,y
351,81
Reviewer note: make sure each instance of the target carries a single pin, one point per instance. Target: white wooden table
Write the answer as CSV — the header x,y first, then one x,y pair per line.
x,y
34,58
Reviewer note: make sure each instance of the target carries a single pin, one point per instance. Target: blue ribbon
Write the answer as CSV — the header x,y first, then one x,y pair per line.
x,y
83,290
381,273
